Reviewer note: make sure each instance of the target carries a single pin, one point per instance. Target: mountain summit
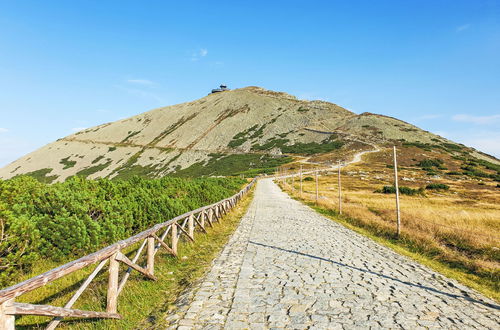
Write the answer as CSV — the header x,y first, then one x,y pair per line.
x,y
246,128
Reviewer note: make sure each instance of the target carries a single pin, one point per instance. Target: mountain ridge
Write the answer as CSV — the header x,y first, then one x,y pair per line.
x,y
246,121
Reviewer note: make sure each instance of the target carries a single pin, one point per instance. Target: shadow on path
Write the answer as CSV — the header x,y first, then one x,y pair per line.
x,y
451,295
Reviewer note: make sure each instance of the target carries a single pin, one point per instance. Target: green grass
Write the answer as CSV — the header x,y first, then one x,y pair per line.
x,y
402,190
437,186
41,175
130,135
143,303
67,163
240,164
300,148
93,169
97,159
420,251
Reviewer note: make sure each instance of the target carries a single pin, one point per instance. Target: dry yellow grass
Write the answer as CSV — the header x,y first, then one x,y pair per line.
x,y
458,227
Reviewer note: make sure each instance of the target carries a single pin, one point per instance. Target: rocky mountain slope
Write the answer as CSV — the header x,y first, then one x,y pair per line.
x,y
240,131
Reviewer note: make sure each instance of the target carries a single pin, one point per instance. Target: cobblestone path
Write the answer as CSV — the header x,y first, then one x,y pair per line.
x,y
288,267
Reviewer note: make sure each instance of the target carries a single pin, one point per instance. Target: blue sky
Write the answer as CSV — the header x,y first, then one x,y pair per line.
x,y
67,65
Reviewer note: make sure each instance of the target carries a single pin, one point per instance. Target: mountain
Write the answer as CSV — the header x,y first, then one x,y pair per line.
x,y
242,131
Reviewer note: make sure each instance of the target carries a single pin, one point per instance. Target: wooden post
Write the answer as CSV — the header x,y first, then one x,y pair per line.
x,y
340,193
317,190
301,180
210,215
175,239
202,219
396,185
191,225
151,256
7,322
112,299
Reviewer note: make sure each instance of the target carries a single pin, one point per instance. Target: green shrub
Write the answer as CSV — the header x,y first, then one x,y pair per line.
x,y
437,186
454,173
402,190
429,163
67,163
66,220
308,178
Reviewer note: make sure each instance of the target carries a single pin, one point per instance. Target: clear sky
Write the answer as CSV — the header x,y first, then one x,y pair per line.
x,y
67,65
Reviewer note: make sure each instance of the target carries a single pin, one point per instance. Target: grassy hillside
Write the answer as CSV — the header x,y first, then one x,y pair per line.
x,y
63,221
235,125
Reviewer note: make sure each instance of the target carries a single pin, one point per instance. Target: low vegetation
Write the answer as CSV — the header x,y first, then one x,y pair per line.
x,y
67,163
66,220
453,227
247,165
437,186
402,190
300,148
174,277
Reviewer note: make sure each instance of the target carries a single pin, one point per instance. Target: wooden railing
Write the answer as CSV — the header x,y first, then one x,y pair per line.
x,y
152,241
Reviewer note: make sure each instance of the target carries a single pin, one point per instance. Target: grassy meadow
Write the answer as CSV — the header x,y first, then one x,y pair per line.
x,y
451,221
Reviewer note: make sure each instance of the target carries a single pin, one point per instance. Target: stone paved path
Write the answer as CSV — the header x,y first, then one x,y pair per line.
x,y
288,267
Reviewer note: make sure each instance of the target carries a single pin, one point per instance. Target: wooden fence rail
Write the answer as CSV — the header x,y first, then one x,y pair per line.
x,y
152,241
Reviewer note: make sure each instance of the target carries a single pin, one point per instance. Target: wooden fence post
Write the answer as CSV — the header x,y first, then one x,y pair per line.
x,y
210,215
150,266
202,219
175,239
7,321
191,225
112,298
340,192
317,191
301,180
396,185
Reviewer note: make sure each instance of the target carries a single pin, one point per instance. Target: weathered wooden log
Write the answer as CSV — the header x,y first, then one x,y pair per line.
x,y
202,226
185,232
55,322
146,272
164,245
7,321
202,220
112,298
162,238
150,265
48,310
175,238
191,226
210,215
129,270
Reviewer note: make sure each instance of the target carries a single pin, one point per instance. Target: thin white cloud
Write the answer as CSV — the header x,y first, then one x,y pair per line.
x,y
199,54
483,140
3,130
462,27
78,129
478,120
140,81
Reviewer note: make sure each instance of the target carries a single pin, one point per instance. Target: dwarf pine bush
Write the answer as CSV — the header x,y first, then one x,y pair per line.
x,y
67,220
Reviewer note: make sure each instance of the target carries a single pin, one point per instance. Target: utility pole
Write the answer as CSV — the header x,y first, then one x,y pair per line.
x,y
340,192
397,192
